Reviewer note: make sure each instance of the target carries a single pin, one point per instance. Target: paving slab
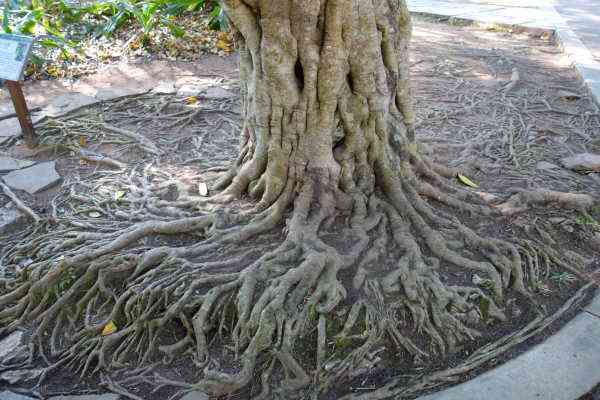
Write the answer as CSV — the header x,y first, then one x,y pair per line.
x,y
565,366
10,344
8,164
9,128
64,103
13,377
33,179
7,395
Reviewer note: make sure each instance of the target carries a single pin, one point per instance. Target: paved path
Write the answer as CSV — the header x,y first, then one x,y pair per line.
x,y
575,22
583,16
529,13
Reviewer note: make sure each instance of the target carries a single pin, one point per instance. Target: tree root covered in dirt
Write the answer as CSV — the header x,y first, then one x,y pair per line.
x,y
370,231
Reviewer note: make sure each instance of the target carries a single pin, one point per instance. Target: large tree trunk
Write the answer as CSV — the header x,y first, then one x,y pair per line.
x,y
328,127
326,96
328,152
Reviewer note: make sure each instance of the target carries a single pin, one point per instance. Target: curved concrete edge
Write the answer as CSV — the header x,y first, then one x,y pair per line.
x,y
581,57
565,366
537,19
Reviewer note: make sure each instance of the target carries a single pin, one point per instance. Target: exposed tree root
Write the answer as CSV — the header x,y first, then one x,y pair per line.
x,y
266,304
370,230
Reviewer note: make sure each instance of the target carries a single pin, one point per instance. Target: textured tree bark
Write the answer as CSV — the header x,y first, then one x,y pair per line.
x,y
326,95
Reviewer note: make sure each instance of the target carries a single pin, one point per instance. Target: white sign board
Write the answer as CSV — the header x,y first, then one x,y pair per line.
x,y
14,51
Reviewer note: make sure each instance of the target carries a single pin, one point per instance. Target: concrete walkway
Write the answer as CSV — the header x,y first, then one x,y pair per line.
x,y
576,24
583,16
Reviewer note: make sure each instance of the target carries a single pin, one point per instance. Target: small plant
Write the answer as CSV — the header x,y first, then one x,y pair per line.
x,y
587,220
563,278
541,288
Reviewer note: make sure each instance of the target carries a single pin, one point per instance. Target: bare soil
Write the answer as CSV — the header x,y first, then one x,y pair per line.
x,y
470,116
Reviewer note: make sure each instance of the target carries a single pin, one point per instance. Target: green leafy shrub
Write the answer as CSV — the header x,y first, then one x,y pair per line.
x,y
61,24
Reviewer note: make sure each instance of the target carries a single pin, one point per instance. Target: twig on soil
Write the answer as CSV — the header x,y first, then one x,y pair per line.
x,y
19,204
514,80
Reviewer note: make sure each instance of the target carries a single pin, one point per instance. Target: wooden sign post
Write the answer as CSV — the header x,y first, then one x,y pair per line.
x,y
14,52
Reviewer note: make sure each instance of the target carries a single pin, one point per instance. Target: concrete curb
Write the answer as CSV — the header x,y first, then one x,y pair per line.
x,y
581,57
567,40
565,366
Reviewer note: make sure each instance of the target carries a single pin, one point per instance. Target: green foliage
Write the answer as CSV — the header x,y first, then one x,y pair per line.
x,y
45,19
61,24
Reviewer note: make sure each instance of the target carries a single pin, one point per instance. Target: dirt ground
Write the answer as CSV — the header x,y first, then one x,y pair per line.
x,y
503,108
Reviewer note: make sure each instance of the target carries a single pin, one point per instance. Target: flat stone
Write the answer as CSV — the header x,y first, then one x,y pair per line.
x,y
6,395
217,92
33,179
565,366
64,103
105,396
10,218
10,127
195,396
20,376
584,162
546,166
10,343
165,87
8,164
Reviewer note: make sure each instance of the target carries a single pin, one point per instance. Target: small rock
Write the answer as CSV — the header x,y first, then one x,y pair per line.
x,y
557,221
477,280
595,242
217,92
546,166
11,219
190,90
20,376
584,162
165,87
6,395
195,396
516,312
33,179
105,396
8,164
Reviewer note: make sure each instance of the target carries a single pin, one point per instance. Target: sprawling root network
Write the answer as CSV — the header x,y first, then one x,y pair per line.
x,y
264,304
369,225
